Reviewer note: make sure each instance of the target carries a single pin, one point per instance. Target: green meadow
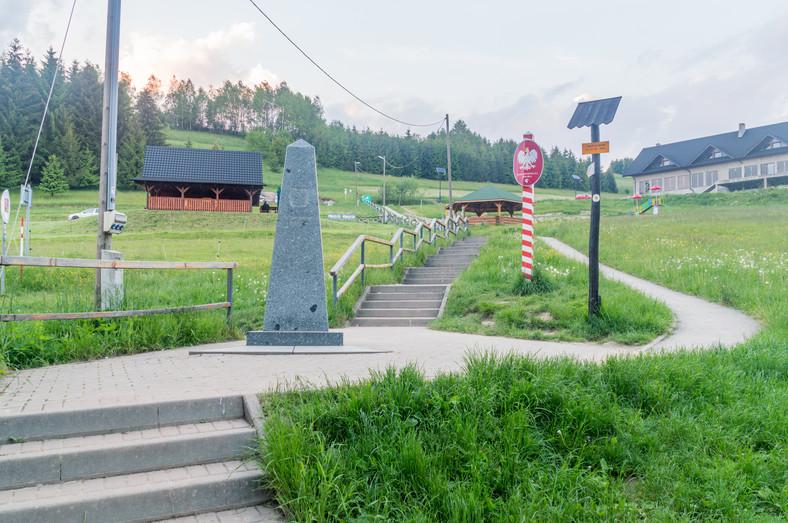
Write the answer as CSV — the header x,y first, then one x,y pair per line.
x,y
697,435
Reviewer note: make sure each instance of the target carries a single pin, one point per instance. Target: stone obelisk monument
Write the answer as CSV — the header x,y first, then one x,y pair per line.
x,y
296,311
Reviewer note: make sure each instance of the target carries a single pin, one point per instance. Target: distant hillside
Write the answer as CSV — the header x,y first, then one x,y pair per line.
x,y
204,140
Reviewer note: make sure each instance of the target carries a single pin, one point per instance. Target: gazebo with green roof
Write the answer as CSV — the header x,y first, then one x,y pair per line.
x,y
489,199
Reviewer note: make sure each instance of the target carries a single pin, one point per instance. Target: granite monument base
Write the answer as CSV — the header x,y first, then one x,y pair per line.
x,y
294,338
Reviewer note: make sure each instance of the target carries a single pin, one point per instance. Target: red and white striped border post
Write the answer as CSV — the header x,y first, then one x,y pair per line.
x,y
528,231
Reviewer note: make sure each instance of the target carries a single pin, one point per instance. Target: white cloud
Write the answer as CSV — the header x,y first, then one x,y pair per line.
x,y
207,60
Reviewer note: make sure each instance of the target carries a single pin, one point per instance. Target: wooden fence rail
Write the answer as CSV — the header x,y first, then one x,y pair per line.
x,y
76,263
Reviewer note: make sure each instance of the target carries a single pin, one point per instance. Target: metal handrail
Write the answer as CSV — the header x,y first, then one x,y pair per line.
x,y
448,226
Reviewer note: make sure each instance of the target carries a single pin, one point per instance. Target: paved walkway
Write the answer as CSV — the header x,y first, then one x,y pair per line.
x,y
174,374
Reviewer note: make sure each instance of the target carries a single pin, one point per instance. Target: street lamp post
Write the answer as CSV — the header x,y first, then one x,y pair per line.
x,y
355,170
440,170
384,179
576,178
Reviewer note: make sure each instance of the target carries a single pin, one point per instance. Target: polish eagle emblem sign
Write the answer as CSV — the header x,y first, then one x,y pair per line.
x,y
528,162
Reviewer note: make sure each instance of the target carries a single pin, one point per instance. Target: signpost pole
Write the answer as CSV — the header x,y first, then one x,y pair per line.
x,y
593,238
5,213
593,114
2,269
528,231
528,164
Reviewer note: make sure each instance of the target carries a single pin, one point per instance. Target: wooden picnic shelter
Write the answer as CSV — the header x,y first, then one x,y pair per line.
x,y
178,179
489,199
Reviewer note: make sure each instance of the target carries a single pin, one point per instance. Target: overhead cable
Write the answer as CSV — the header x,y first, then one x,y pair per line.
x,y
348,91
46,108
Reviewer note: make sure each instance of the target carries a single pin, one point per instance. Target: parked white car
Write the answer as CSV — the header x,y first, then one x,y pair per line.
x,y
84,214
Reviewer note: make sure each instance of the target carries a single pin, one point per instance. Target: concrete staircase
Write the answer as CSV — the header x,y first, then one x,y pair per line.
x,y
130,463
419,298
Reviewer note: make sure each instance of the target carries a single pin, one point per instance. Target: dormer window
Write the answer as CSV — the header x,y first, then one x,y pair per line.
x,y
665,162
770,143
712,153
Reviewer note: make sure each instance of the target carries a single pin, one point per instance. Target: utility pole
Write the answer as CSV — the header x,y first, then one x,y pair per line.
x,y
109,133
448,165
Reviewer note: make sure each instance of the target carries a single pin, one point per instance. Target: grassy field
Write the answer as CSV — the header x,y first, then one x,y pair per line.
x,y
688,436
205,140
493,298
246,238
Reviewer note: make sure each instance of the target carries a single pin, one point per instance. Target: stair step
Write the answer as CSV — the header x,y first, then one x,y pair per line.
x,y
434,270
66,423
54,460
390,322
426,280
402,304
405,296
406,288
138,497
397,313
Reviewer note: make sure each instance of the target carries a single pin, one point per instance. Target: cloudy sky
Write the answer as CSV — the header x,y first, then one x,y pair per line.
x,y
684,68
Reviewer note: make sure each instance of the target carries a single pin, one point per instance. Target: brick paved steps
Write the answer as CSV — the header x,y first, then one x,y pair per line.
x,y
418,299
129,463
55,460
145,496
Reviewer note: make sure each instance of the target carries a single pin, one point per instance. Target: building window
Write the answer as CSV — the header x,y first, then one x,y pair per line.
x,y
666,162
767,169
643,187
711,177
656,182
684,181
697,179
782,167
670,183
734,173
717,153
750,171
775,143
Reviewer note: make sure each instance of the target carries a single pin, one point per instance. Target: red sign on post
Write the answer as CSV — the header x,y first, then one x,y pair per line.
x,y
528,162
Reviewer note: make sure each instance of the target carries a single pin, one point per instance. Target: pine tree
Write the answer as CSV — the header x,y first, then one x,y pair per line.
x,y
87,173
609,182
53,177
10,175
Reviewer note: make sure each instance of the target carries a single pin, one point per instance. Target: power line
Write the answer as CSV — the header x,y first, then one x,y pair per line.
x,y
46,108
348,91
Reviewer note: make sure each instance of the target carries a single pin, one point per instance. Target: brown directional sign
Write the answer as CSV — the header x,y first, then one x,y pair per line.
x,y
596,147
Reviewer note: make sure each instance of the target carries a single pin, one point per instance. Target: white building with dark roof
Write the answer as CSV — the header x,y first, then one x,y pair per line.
x,y
743,159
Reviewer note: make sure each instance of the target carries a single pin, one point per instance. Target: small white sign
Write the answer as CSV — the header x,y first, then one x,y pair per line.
x,y
5,206
591,171
595,198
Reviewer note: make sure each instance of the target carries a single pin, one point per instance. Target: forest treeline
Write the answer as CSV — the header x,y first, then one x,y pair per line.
x,y
268,117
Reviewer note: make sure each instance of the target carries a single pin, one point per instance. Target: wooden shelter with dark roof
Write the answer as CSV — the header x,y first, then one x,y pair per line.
x,y
201,179
489,199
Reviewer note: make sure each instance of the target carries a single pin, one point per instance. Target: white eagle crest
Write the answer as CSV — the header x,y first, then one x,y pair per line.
x,y
527,159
